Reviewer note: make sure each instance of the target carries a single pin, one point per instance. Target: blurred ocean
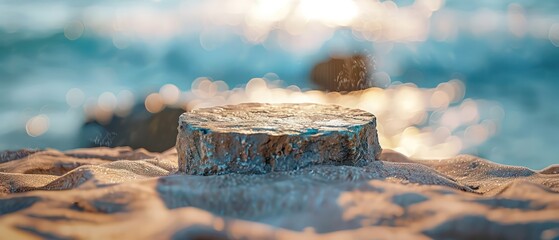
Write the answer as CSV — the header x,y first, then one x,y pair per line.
x,y
503,51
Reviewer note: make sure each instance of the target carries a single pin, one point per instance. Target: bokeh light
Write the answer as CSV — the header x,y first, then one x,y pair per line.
x,y
74,30
37,125
75,97
170,94
422,123
154,103
107,101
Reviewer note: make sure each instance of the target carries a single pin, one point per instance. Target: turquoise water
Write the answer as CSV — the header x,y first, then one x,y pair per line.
x,y
40,61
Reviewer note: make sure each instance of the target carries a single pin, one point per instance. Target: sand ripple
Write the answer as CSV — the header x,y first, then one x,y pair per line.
x,y
104,193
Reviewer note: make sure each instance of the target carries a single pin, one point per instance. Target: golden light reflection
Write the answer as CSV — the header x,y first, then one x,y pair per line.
x,y
37,125
331,13
105,106
476,134
439,99
418,122
107,101
170,94
311,20
154,103
289,21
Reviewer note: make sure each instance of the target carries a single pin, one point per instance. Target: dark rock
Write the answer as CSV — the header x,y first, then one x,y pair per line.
x,y
343,73
140,129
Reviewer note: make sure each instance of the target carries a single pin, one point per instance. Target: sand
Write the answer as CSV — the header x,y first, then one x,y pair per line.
x,y
104,193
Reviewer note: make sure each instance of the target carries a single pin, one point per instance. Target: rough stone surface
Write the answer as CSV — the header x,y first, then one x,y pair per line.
x,y
260,138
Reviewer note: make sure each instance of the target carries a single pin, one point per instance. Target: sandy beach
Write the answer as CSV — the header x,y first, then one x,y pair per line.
x,y
120,193
300,119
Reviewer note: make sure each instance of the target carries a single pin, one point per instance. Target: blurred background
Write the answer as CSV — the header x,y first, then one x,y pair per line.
x,y
443,78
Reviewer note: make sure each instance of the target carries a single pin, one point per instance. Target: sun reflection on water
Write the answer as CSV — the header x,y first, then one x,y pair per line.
x,y
418,122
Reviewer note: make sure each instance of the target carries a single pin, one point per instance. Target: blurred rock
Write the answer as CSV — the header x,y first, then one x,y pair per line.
x,y
260,138
140,129
343,73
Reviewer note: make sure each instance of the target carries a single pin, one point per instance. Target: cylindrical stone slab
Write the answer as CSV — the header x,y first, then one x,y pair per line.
x,y
257,138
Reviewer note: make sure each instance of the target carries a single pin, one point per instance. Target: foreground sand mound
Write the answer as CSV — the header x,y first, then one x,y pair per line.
x,y
125,193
